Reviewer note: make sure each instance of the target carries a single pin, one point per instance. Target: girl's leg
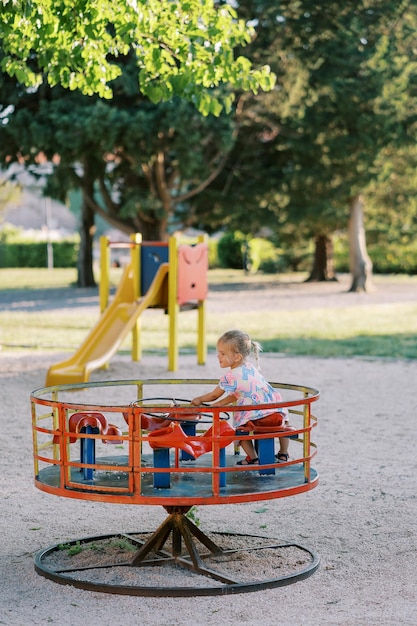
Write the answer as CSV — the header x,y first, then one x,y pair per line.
x,y
282,456
249,449
284,443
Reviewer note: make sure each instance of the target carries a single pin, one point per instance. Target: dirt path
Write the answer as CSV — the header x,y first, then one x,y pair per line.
x,y
254,296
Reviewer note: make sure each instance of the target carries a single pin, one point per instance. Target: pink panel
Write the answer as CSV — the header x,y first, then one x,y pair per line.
x,y
192,273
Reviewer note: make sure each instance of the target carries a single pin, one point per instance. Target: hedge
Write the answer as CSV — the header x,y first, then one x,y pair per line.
x,y
35,254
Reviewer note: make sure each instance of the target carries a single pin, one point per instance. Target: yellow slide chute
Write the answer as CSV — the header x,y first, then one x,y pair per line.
x,y
113,326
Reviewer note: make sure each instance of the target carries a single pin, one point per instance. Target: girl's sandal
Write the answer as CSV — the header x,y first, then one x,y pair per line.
x,y
248,461
282,457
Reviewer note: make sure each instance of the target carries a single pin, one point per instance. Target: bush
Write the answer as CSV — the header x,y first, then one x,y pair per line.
x,y
257,255
387,258
394,258
264,256
213,258
35,254
230,250
341,254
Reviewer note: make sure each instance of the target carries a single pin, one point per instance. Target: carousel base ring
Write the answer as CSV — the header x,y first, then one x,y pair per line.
x,y
146,564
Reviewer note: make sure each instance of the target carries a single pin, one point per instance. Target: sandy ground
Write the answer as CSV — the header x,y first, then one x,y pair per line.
x,y
361,519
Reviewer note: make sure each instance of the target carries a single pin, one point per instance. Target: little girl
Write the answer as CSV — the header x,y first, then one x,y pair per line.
x,y
244,385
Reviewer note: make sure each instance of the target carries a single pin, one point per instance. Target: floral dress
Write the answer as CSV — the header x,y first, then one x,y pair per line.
x,y
249,387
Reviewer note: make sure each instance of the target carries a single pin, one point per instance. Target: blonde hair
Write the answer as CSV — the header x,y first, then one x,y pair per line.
x,y
242,344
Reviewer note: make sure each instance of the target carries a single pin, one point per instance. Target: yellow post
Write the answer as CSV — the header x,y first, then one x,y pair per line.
x,y
307,438
104,285
173,307
137,287
201,323
201,337
35,439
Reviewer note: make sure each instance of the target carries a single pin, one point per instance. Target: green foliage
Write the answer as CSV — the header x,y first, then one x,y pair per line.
x,y
193,516
213,257
395,258
230,250
388,257
345,103
138,164
181,48
123,544
71,549
118,543
35,254
11,233
264,256
65,253
345,118
341,120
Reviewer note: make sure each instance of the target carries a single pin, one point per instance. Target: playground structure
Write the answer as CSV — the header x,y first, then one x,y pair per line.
x,y
168,453
168,276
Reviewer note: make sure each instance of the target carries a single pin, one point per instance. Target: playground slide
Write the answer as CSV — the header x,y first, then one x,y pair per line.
x,y
111,329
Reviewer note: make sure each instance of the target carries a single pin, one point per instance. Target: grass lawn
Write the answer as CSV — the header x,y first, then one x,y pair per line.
x,y
378,330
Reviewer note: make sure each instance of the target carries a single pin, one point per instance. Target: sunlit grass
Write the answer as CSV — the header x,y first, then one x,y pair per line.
x,y
36,278
381,330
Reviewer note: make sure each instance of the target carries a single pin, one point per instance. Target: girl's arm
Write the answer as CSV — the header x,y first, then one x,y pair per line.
x,y
229,399
212,396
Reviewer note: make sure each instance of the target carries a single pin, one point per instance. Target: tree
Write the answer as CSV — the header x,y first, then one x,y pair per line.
x,y
87,228
351,54
393,193
182,48
136,163
309,151
360,263
248,195
293,158
323,264
273,176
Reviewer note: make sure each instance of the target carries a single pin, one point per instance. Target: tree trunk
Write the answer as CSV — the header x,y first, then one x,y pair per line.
x,y
360,263
323,265
85,276
155,230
